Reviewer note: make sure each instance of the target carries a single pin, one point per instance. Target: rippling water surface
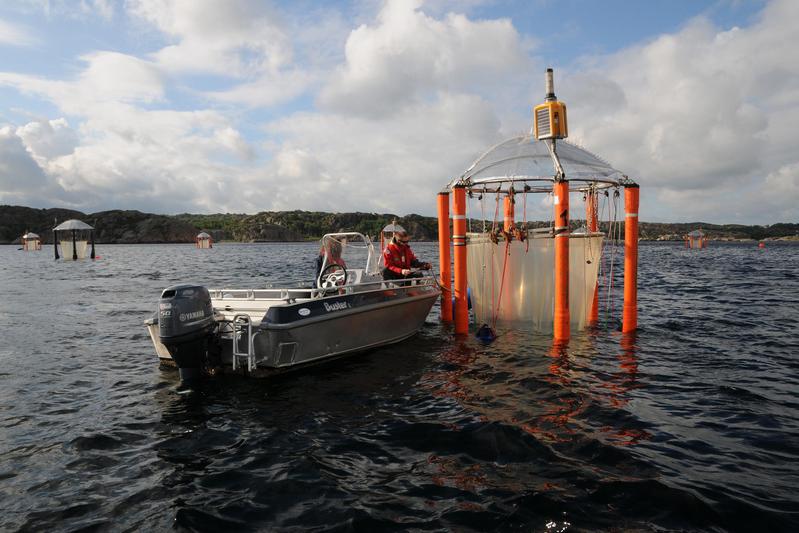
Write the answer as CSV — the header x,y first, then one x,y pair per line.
x,y
693,424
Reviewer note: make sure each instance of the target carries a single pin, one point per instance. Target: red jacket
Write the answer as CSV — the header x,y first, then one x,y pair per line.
x,y
397,257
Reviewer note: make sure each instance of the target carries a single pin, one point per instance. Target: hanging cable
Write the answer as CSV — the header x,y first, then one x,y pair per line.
x,y
483,255
604,209
614,235
524,227
501,284
494,243
468,202
482,209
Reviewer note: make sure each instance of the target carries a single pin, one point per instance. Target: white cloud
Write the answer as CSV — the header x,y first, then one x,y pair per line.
x,y
115,77
227,37
123,155
694,115
155,160
407,56
65,9
103,8
133,157
15,34
47,139
268,90
404,99
245,41
109,78
343,162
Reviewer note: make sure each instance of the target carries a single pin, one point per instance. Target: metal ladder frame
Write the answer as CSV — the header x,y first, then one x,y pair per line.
x,y
239,322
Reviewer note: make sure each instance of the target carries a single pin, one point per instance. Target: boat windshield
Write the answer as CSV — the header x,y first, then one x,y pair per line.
x,y
350,250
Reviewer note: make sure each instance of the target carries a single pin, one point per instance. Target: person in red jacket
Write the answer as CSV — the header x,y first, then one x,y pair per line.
x,y
398,259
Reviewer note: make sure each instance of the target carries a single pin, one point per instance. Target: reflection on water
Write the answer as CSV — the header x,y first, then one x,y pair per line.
x,y
690,424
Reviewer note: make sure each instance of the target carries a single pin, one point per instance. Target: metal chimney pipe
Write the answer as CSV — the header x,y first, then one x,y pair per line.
x,y
550,86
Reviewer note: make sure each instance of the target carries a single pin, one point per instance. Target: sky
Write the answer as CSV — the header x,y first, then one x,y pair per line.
x,y
242,106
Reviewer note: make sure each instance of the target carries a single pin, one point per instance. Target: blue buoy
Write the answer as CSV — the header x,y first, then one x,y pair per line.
x,y
485,333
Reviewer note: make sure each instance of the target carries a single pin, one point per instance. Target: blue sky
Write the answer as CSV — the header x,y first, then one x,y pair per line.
x,y
246,106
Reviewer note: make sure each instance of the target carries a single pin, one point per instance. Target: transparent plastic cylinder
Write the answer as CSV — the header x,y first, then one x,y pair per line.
x,y
526,297
80,246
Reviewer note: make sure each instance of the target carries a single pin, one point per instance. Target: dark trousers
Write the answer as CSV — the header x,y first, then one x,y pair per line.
x,y
390,275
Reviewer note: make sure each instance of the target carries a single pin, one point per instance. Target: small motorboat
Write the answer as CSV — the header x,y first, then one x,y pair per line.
x,y
348,308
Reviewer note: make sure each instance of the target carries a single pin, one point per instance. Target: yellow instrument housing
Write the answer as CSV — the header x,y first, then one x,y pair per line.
x,y
550,120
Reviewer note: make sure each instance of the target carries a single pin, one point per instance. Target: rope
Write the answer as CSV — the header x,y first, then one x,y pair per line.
x,y
614,235
501,284
611,237
592,252
602,264
483,210
483,213
493,233
527,235
468,218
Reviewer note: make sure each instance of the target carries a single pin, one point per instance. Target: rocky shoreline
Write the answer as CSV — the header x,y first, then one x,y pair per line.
x,y
135,227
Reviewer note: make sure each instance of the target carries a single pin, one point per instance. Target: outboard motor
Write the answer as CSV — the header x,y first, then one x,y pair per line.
x,y
186,322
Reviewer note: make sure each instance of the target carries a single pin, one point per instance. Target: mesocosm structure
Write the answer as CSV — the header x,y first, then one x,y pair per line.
x,y
547,277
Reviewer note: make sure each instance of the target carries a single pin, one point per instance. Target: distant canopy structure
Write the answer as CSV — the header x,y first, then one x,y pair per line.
x,y
31,242
696,239
74,237
203,240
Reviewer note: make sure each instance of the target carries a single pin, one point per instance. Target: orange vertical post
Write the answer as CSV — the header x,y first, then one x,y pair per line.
x,y
459,248
592,220
561,328
444,267
630,313
509,213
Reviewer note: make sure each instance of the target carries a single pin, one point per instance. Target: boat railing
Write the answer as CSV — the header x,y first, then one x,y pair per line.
x,y
260,294
242,332
377,285
292,295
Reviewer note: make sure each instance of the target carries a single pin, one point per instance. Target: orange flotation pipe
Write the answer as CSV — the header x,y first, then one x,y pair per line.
x,y
630,313
459,248
444,257
592,220
561,329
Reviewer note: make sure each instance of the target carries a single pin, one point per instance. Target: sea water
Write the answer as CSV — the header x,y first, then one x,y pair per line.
x,y
692,424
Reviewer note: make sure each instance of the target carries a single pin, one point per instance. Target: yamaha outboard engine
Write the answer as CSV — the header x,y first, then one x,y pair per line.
x,y
186,322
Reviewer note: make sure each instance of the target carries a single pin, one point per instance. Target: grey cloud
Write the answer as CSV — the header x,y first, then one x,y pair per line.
x,y
19,173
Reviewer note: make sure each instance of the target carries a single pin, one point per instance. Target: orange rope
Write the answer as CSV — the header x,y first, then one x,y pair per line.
x,y
501,284
493,227
524,227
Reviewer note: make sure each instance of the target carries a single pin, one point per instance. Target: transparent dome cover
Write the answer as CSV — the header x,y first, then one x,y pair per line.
x,y
72,224
525,158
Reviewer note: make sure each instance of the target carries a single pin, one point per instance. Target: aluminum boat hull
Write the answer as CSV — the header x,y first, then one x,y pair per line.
x,y
297,332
